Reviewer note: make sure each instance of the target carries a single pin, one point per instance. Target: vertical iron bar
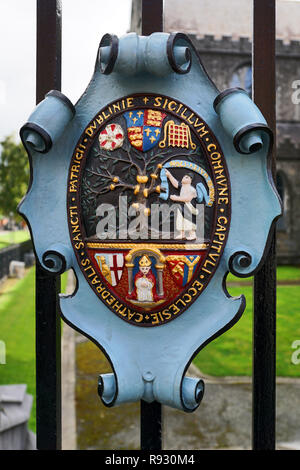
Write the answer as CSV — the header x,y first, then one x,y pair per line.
x,y
264,328
48,333
151,413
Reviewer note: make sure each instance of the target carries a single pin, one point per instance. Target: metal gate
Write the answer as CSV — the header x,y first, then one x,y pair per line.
x,y
48,333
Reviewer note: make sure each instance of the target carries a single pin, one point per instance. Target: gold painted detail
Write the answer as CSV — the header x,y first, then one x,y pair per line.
x,y
145,261
177,136
145,249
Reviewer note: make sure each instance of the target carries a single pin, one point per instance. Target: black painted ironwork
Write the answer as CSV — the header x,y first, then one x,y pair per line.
x,y
48,332
151,413
264,327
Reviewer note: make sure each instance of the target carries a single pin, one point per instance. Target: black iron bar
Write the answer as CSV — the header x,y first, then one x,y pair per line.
x,y
48,332
151,413
264,327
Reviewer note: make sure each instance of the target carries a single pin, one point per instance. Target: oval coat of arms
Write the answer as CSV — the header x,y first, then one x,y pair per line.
x,y
148,207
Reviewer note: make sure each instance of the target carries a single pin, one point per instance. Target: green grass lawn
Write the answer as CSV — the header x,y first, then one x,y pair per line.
x,y
9,238
17,330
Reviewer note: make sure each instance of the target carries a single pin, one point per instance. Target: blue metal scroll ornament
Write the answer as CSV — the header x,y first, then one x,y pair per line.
x,y
151,189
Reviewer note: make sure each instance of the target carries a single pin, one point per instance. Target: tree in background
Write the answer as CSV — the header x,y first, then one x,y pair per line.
x,y
14,176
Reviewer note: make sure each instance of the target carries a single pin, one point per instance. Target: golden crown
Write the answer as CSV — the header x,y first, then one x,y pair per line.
x,y
145,261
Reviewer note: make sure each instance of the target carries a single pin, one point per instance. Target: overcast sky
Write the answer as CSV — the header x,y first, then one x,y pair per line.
x,y
84,23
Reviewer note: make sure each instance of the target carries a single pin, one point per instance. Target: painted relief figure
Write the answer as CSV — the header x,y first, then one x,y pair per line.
x,y
144,283
185,225
148,192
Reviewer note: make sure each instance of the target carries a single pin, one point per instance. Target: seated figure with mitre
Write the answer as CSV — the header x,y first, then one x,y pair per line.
x,y
144,283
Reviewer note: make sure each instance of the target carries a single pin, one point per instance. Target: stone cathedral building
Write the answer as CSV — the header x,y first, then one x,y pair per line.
x,y
221,30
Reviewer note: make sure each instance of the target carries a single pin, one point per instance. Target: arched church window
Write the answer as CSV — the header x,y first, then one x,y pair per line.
x,y
242,78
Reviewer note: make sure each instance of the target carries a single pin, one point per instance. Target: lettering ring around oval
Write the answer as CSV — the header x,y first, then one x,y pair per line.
x,y
149,207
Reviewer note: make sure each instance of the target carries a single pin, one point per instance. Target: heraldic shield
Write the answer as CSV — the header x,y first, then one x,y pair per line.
x,y
162,186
